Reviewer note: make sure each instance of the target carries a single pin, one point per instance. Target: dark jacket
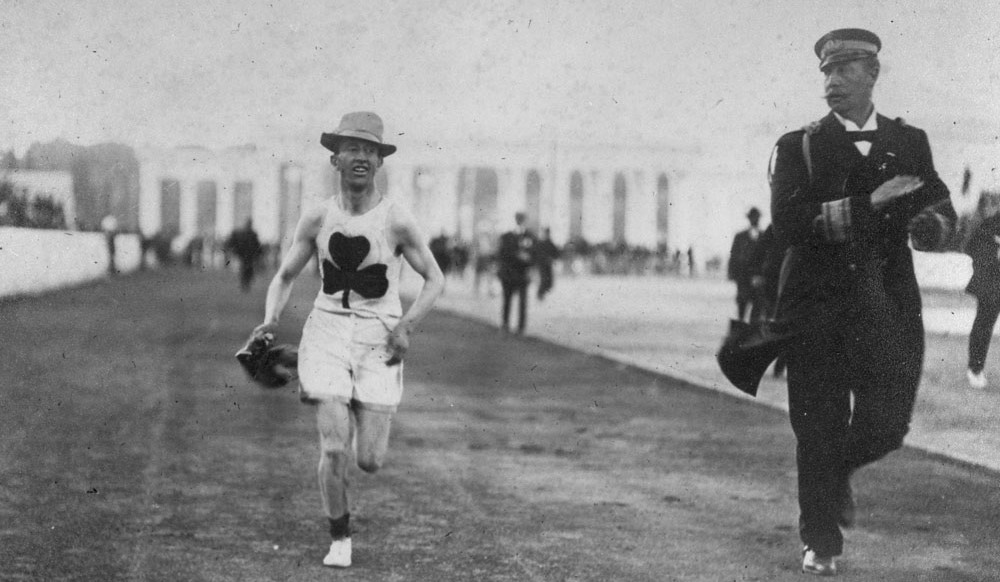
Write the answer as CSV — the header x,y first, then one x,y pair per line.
x,y
744,258
546,252
515,255
984,247
244,244
848,278
838,241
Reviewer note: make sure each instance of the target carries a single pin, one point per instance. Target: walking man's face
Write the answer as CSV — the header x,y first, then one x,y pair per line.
x,y
848,87
357,161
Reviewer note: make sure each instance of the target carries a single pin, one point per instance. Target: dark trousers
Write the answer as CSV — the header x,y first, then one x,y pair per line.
x,y
982,332
748,296
520,288
880,367
246,274
545,279
110,240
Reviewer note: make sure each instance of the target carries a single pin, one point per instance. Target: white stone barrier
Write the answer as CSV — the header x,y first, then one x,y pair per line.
x,y
37,260
942,270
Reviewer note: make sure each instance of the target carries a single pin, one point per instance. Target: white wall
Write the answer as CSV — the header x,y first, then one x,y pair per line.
x,y
35,260
942,270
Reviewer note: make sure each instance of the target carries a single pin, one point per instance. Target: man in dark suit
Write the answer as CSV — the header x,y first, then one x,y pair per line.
x,y
515,256
744,262
984,248
546,253
843,193
244,243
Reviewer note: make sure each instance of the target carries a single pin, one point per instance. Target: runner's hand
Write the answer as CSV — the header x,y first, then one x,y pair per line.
x,y
264,329
399,343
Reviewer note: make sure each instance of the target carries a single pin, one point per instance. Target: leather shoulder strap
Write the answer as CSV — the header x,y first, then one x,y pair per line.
x,y
806,155
808,130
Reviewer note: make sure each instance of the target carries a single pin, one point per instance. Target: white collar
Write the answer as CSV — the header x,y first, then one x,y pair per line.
x,y
870,125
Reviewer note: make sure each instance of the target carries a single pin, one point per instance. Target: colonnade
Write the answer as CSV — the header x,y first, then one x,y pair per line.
x,y
600,194
190,192
574,193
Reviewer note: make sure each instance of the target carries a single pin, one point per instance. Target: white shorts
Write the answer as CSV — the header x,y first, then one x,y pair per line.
x,y
343,356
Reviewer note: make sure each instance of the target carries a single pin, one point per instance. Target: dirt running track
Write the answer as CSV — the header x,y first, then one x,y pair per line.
x,y
132,448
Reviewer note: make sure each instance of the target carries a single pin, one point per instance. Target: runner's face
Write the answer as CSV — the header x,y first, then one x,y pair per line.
x,y
357,160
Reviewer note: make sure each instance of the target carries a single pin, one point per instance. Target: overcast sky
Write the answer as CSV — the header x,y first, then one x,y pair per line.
x,y
728,74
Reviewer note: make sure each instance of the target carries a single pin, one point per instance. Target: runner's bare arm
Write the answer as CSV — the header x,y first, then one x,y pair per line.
x,y
416,252
303,248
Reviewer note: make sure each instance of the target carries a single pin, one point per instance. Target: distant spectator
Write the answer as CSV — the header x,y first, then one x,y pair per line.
x,y
984,248
546,253
13,208
160,244
109,225
742,257
714,264
459,258
441,249
483,263
660,263
194,254
145,244
45,212
245,244
515,257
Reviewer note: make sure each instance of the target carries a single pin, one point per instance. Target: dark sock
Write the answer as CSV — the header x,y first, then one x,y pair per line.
x,y
341,527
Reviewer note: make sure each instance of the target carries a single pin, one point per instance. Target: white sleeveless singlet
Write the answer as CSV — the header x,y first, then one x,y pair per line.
x,y
359,268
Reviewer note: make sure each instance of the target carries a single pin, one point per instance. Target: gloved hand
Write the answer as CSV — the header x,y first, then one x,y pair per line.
x,y
268,365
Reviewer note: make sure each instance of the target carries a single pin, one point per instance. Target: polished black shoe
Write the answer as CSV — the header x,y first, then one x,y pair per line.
x,y
813,563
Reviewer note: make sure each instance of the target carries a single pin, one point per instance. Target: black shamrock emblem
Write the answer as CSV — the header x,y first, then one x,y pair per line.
x,y
343,274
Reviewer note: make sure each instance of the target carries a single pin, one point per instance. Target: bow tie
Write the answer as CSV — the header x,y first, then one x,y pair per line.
x,y
861,135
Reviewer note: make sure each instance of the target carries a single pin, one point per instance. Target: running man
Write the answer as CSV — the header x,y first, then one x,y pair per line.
x,y
356,337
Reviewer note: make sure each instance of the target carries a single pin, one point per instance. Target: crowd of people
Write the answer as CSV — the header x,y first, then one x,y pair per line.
x,y
20,211
577,256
